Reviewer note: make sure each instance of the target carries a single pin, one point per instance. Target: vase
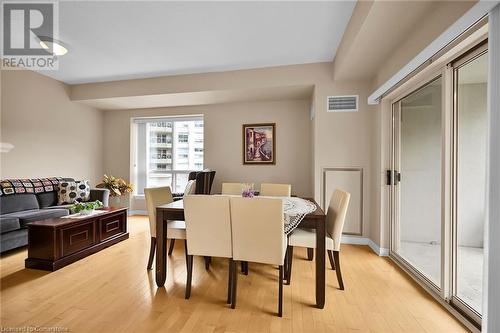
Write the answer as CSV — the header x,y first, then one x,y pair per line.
x,y
114,201
117,201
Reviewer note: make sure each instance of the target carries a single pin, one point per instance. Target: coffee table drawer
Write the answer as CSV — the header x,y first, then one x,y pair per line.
x,y
78,238
111,226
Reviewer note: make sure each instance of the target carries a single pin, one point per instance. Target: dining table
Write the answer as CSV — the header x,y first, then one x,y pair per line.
x,y
313,220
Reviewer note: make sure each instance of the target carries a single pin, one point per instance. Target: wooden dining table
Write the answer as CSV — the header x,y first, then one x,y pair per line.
x,y
175,211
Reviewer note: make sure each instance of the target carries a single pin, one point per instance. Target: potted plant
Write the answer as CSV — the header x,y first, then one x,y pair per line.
x,y
86,208
117,187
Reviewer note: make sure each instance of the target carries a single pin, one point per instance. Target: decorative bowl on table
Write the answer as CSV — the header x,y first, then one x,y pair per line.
x,y
86,208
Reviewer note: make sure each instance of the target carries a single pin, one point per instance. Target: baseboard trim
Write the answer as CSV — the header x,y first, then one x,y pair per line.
x,y
380,251
137,212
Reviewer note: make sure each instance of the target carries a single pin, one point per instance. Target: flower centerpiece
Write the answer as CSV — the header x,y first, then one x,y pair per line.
x,y
86,208
248,191
116,186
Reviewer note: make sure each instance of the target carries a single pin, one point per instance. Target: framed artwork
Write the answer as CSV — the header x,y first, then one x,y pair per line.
x,y
259,143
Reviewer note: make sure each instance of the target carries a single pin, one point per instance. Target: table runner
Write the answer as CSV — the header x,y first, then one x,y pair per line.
x,y
295,210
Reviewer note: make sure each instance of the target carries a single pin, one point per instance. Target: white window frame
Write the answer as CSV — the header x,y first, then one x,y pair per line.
x,y
134,149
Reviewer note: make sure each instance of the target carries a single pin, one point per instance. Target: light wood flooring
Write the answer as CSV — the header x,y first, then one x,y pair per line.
x,y
111,291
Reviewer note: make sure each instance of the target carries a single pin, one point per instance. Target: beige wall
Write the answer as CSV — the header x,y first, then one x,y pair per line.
x,y
52,136
338,139
223,142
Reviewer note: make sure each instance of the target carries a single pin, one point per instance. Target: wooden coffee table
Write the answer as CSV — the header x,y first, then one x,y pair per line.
x,y
55,243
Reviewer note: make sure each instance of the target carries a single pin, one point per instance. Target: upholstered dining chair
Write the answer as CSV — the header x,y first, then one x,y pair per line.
x,y
208,232
204,180
156,196
258,219
234,188
189,189
275,190
335,218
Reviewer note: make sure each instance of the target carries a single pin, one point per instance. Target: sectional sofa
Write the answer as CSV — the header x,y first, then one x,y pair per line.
x,y
20,208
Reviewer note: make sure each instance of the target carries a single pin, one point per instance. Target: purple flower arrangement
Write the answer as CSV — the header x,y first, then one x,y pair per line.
x,y
248,192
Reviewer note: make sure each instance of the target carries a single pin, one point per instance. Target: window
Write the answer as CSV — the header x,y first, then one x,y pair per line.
x,y
163,154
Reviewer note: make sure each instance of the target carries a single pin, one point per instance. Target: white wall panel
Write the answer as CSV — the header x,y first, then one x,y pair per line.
x,y
350,180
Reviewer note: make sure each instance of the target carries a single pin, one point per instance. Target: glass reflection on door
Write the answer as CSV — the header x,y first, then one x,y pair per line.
x,y
419,163
471,126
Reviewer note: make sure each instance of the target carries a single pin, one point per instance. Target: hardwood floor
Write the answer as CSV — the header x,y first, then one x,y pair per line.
x,y
112,291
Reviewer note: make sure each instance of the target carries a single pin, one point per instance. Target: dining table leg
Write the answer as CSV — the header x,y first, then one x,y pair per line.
x,y
320,263
161,249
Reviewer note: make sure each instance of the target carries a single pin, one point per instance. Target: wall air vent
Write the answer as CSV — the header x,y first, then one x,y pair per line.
x,y
342,103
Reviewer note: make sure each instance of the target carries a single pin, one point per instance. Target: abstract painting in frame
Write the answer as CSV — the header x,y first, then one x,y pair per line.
x,y
259,143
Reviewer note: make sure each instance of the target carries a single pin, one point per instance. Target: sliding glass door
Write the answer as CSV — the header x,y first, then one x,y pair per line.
x,y
470,114
438,181
418,164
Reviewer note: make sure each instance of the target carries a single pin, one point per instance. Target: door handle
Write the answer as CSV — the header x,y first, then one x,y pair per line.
x,y
393,177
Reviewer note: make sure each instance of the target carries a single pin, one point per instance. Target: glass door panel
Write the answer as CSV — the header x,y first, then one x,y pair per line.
x,y
471,126
419,190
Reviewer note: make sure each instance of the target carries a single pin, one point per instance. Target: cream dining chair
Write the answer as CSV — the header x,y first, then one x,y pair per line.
x,y
335,218
234,188
258,236
208,232
156,196
275,190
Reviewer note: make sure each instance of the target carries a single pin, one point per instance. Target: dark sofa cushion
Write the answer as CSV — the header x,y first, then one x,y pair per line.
x,y
37,215
13,239
47,199
17,203
9,224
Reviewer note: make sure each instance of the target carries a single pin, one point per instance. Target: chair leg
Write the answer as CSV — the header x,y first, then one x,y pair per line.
x,y
207,262
332,262
171,247
152,252
310,254
280,293
289,269
244,267
337,266
235,285
285,273
230,281
189,268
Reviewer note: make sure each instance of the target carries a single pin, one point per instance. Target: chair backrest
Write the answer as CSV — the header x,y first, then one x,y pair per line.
x,y
156,196
204,181
257,229
234,188
275,190
335,216
208,225
190,187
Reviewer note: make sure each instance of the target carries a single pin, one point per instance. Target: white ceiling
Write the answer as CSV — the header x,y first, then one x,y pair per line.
x,y
118,40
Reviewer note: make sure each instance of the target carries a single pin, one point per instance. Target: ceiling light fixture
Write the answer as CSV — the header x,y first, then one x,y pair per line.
x,y
53,46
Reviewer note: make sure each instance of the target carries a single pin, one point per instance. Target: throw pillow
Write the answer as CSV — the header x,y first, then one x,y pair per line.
x,y
73,191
